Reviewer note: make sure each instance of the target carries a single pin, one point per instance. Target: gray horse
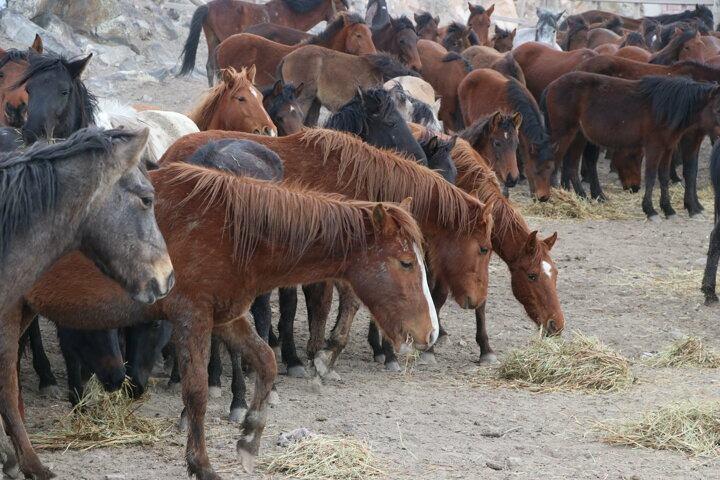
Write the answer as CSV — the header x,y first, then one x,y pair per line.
x,y
544,32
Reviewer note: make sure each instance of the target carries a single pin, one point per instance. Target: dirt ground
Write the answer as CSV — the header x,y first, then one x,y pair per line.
x,y
634,284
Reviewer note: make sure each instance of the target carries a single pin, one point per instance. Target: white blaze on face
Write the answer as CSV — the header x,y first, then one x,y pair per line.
x,y
426,291
253,90
547,268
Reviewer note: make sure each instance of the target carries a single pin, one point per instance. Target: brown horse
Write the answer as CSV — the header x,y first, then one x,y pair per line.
x,y
542,64
652,113
398,37
685,45
479,21
503,39
458,37
484,91
278,33
347,33
221,18
234,104
255,236
456,226
13,100
638,54
487,57
331,78
600,16
427,26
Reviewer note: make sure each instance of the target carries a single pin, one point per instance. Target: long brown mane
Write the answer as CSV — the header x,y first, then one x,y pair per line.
x,y
203,112
281,213
333,27
384,174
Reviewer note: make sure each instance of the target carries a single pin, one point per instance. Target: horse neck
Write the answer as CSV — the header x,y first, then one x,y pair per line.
x,y
697,72
281,14
382,37
337,42
508,236
74,119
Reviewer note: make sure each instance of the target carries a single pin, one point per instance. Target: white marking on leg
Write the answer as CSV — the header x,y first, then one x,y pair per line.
x,y
426,291
547,268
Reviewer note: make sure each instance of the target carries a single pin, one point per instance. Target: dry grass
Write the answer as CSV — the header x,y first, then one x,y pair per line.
x,y
689,427
687,352
324,457
102,420
674,281
581,363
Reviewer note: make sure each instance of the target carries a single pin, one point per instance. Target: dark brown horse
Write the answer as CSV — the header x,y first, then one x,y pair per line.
x,y
652,113
14,99
458,37
684,45
221,18
278,33
479,21
600,16
347,33
427,26
503,39
398,37
280,102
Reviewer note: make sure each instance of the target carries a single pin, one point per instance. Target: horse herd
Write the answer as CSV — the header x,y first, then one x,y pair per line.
x,y
144,233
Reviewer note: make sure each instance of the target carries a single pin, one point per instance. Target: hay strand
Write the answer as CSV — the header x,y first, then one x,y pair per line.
x,y
689,427
102,420
686,352
581,363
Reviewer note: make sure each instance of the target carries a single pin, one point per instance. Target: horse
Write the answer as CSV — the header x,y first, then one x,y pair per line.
x,y
84,192
711,265
234,104
503,39
701,13
542,64
438,153
332,78
487,57
280,102
495,137
458,37
684,45
412,109
13,99
427,26
455,226
485,91
479,21
544,32
417,88
599,16
376,14
221,18
347,33
652,113
398,37
278,33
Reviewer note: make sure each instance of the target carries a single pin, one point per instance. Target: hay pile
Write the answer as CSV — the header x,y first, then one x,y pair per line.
x,y
326,457
102,420
687,352
688,427
567,205
581,363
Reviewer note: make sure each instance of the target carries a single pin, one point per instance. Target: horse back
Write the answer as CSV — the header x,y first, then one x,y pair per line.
x,y
228,17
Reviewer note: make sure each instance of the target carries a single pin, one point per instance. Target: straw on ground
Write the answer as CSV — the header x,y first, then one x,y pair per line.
x,y
581,363
687,352
690,427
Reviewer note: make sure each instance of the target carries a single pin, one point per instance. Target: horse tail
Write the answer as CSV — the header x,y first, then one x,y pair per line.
x,y
715,177
535,125
189,51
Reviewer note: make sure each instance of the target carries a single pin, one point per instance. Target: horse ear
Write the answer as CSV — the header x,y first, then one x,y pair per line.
x,y
550,241
437,19
383,222
538,11
251,73
531,243
37,44
277,88
512,34
559,16
406,204
489,11
517,119
78,66
471,7
432,144
416,17
496,119
299,89
228,76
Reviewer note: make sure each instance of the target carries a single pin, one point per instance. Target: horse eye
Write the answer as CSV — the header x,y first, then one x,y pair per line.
x,y
484,250
241,99
65,93
146,201
532,277
406,265
2,74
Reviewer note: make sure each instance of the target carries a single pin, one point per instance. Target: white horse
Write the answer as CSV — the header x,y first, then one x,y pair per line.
x,y
544,32
413,109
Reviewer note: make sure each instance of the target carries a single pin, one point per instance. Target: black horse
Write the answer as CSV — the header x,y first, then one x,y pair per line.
x,y
280,102
711,265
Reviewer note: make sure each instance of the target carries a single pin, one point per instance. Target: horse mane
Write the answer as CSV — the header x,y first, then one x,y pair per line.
x,y
423,18
402,23
674,100
476,130
353,116
384,174
389,66
40,63
508,66
422,113
13,55
291,215
668,54
533,123
456,28
203,112
701,12
28,180
305,6
333,28
613,24
634,39
456,57
573,29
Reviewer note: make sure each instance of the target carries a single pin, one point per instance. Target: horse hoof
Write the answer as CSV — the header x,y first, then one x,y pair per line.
x,y
392,366
698,216
40,473
711,299
214,392
174,387
11,471
322,363
379,358
488,359
247,459
273,398
182,424
298,371
237,414
655,218
51,391
671,217
427,358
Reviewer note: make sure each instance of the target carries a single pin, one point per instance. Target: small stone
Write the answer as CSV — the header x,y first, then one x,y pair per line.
x,y
495,465
115,476
513,462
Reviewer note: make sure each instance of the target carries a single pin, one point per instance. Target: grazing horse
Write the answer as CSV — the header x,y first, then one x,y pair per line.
x,y
332,78
544,32
455,225
84,192
458,37
347,33
495,137
685,45
485,91
13,99
398,37
503,39
479,21
652,113
711,265
234,104
280,102
541,64
427,26
221,18
278,33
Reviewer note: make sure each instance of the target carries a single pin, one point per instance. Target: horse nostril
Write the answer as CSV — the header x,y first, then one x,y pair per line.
x,y
170,283
544,198
510,181
257,132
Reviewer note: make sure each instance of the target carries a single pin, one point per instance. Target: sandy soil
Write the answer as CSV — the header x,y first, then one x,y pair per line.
x,y
432,421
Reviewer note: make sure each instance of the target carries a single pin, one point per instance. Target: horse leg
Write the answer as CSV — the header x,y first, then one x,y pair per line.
x,y
41,364
241,336
711,266
375,342
286,330
211,69
349,305
571,162
487,355
664,175
238,406
318,298
591,153
521,155
215,369
652,158
74,374
262,315
689,148
391,361
677,159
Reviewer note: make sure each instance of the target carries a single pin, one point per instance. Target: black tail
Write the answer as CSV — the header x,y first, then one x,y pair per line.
x,y
191,44
715,177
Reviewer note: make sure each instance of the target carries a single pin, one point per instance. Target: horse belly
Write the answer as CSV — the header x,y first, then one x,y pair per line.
x,y
612,132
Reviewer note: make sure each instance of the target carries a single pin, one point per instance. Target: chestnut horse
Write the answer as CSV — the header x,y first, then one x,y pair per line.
x,y
234,104
255,235
398,37
278,33
458,37
85,192
652,113
456,226
503,39
221,18
14,99
684,45
427,26
347,33
479,21
484,91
